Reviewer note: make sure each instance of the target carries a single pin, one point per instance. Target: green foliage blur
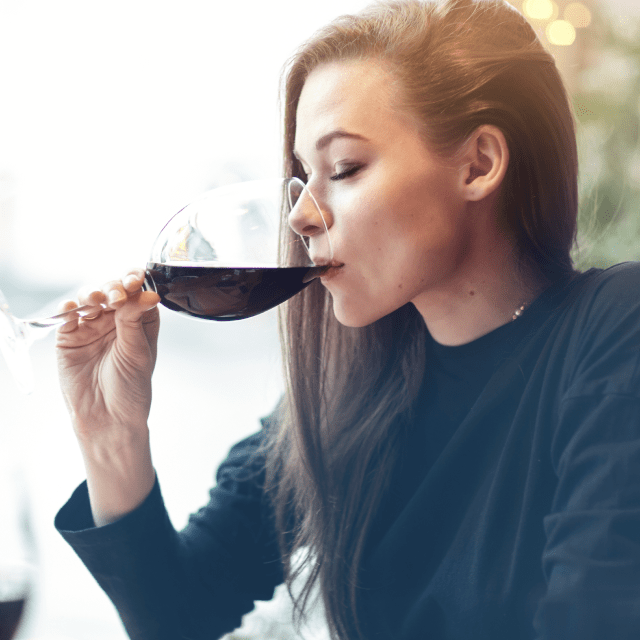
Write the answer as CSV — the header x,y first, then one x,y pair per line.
x,y
607,108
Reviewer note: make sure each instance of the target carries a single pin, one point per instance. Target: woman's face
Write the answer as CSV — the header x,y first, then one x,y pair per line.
x,y
394,212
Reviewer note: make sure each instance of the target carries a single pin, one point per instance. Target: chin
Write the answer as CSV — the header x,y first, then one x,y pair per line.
x,y
356,317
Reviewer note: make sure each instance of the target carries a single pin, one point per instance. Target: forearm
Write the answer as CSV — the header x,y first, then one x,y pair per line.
x,y
120,473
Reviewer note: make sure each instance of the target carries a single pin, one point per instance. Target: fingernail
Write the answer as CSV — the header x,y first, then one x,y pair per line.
x,y
129,280
116,296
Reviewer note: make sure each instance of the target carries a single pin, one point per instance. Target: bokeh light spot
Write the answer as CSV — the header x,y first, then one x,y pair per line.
x,y
561,32
538,9
578,15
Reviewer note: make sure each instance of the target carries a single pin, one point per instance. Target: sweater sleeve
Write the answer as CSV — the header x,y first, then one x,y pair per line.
x,y
192,584
591,560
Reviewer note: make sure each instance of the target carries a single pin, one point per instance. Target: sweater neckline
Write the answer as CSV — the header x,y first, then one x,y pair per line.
x,y
504,337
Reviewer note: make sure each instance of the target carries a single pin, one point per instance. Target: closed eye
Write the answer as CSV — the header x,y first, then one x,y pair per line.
x,y
346,174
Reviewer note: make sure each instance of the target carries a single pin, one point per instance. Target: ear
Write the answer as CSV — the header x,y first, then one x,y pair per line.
x,y
485,162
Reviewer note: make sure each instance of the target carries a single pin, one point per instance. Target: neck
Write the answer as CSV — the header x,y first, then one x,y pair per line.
x,y
477,300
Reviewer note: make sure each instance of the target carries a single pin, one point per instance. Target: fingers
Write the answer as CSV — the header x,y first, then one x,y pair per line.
x,y
70,325
125,293
118,292
133,280
114,293
137,320
137,305
130,311
131,286
91,296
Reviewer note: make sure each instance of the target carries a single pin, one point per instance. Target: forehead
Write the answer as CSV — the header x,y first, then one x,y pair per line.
x,y
357,96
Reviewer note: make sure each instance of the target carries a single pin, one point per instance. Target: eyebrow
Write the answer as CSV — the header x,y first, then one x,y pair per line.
x,y
328,138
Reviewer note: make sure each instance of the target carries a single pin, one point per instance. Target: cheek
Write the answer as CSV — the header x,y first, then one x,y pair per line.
x,y
387,227
396,241
397,209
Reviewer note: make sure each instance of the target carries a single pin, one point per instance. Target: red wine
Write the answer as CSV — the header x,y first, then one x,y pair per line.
x,y
221,293
10,614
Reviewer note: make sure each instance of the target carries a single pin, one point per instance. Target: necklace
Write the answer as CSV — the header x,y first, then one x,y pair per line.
x,y
518,312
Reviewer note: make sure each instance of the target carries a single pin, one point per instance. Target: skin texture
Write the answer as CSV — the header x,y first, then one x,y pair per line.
x,y
407,225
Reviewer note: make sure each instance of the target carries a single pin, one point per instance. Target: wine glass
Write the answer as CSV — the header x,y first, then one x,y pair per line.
x,y
228,255
223,257
17,548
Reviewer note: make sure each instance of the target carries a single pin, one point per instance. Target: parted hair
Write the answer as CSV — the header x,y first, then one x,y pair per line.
x,y
351,391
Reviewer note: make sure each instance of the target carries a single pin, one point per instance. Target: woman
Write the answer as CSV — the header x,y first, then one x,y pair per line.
x,y
458,448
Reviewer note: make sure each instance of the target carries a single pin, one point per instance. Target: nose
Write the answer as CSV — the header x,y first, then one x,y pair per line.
x,y
306,217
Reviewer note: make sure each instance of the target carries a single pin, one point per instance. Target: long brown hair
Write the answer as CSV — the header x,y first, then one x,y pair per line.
x,y
350,391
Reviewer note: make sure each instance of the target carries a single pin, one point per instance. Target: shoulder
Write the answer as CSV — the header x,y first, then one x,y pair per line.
x,y
594,302
616,276
603,328
607,293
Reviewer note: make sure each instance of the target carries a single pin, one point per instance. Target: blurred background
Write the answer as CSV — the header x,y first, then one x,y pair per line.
x,y
113,115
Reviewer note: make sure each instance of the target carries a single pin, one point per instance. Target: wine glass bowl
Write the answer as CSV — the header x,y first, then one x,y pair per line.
x,y
225,256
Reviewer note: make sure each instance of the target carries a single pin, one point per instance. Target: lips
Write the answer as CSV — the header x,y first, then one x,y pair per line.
x,y
323,262
331,272
321,269
325,269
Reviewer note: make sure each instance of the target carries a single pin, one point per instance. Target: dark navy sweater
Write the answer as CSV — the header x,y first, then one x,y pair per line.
x,y
514,511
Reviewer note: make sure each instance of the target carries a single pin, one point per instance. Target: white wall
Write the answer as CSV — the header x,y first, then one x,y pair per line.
x,y
114,114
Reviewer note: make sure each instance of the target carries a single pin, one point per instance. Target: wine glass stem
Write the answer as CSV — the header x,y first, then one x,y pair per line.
x,y
66,316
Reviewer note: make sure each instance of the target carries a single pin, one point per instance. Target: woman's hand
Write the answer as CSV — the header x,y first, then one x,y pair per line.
x,y
105,362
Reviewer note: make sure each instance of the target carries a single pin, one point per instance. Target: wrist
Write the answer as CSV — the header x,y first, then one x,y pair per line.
x,y
120,474
108,445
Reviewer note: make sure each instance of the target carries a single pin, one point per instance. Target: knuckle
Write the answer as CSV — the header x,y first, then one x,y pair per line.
x,y
111,284
113,290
